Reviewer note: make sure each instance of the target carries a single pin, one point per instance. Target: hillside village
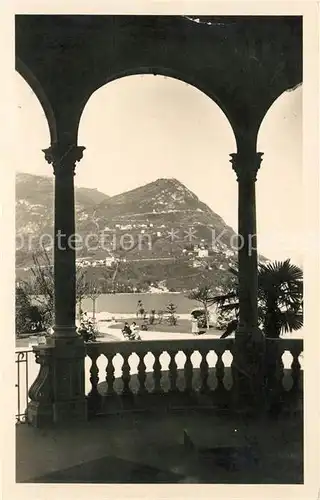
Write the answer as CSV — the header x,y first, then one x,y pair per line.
x,y
157,233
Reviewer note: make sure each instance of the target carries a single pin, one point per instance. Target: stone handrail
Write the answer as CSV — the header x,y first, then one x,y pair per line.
x,y
206,385
138,346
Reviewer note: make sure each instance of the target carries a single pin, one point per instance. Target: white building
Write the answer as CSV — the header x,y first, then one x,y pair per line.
x,y
109,261
203,252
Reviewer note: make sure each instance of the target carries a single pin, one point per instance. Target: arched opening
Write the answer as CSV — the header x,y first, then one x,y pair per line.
x,y
32,130
38,91
142,127
34,177
279,185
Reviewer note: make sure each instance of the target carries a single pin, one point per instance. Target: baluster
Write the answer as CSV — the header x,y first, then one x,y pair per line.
x,y
279,372
142,374
295,368
220,371
204,372
110,378
188,371
173,371
157,374
272,355
94,396
94,374
126,374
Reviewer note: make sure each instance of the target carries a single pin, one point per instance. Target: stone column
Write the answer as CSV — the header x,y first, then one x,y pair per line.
x,y
58,393
63,160
246,166
248,355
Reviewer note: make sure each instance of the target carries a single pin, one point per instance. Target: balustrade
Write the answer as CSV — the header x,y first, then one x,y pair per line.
x,y
164,383
144,382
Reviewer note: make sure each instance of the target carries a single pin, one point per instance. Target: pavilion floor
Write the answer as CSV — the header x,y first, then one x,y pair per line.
x,y
150,448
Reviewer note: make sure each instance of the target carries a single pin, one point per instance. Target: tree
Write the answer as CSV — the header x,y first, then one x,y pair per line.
x,y
28,316
160,314
280,299
92,291
41,285
140,309
22,310
171,310
205,295
152,316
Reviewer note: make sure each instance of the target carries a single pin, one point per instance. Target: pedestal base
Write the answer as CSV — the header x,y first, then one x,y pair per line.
x,y
70,411
248,370
39,414
58,393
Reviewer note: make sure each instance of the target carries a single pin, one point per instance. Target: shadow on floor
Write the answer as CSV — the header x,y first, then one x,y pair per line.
x,y
187,447
110,470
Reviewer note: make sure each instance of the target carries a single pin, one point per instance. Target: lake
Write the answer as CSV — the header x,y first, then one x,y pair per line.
x,y
121,303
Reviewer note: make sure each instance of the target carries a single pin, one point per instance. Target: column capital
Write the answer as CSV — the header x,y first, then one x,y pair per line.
x,y
246,164
63,158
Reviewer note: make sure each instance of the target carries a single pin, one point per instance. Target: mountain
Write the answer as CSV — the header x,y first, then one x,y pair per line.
x,y
157,209
161,231
34,208
35,200
37,189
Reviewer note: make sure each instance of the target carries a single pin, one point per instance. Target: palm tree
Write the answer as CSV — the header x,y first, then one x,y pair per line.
x,y
280,299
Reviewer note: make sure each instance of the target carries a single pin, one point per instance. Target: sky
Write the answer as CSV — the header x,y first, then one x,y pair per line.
x,y
140,128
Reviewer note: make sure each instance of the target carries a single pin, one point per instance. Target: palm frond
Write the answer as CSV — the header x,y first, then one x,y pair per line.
x,y
290,321
231,328
221,299
275,273
229,307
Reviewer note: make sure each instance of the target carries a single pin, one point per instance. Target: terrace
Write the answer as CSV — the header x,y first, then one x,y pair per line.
x,y
210,410
143,396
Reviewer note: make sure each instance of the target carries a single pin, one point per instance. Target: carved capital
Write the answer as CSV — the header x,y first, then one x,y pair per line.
x,y
63,158
246,165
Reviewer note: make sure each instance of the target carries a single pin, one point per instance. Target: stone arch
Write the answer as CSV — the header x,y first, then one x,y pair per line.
x,y
165,72
273,107
34,84
280,137
277,97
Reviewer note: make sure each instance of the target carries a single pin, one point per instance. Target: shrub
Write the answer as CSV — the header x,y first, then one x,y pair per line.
x,y
152,316
171,312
